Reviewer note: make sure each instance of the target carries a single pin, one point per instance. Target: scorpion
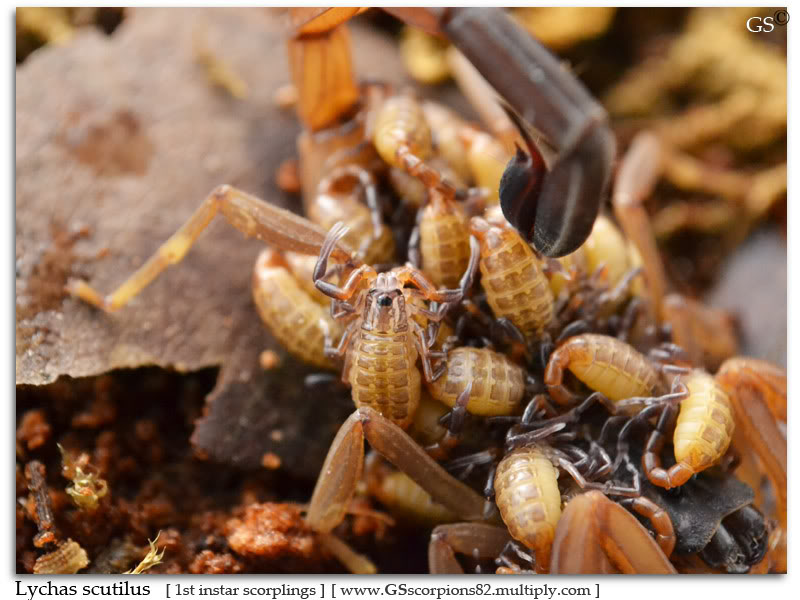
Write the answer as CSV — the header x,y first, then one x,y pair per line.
x,y
551,205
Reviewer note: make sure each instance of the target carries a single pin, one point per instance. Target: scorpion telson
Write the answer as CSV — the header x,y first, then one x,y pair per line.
x,y
556,214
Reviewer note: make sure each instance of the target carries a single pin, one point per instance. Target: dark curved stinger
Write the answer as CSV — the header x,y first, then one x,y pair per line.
x,y
521,184
557,217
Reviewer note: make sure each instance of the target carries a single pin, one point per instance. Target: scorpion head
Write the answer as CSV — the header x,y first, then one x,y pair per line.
x,y
385,307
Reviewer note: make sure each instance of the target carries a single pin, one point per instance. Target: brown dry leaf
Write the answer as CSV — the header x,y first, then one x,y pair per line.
x,y
118,140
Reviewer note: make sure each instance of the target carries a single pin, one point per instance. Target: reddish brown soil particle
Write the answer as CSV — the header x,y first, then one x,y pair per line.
x,y
170,540
33,430
271,531
207,562
271,461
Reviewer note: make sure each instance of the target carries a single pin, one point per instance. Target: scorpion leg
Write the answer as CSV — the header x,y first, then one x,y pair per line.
x,y
708,334
639,171
607,487
334,491
596,535
676,475
249,214
355,562
605,463
440,449
344,464
629,317
658,517
345,292
397,447
339,350
574,415
574,328
611,299
503,327
516,440
622,437
426,354
757,390
436,315
414,255
678,393
538,404
430,292
480,540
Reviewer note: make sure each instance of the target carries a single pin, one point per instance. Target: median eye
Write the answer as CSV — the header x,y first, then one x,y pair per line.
x,y
384,301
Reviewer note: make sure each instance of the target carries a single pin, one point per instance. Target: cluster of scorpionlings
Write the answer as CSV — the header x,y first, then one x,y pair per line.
x,y
542,364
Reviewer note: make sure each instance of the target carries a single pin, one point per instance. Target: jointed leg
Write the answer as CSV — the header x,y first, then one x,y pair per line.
x,y
474,539
575,328
638,173
758,393
344,463
607,487
397,447
432,179
658,517
539,405
345,292
516,440
428,289
622,437
596,535
338,351
250,215
426,354
355,562
440,449
678,393
610,299
677,474
515,549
